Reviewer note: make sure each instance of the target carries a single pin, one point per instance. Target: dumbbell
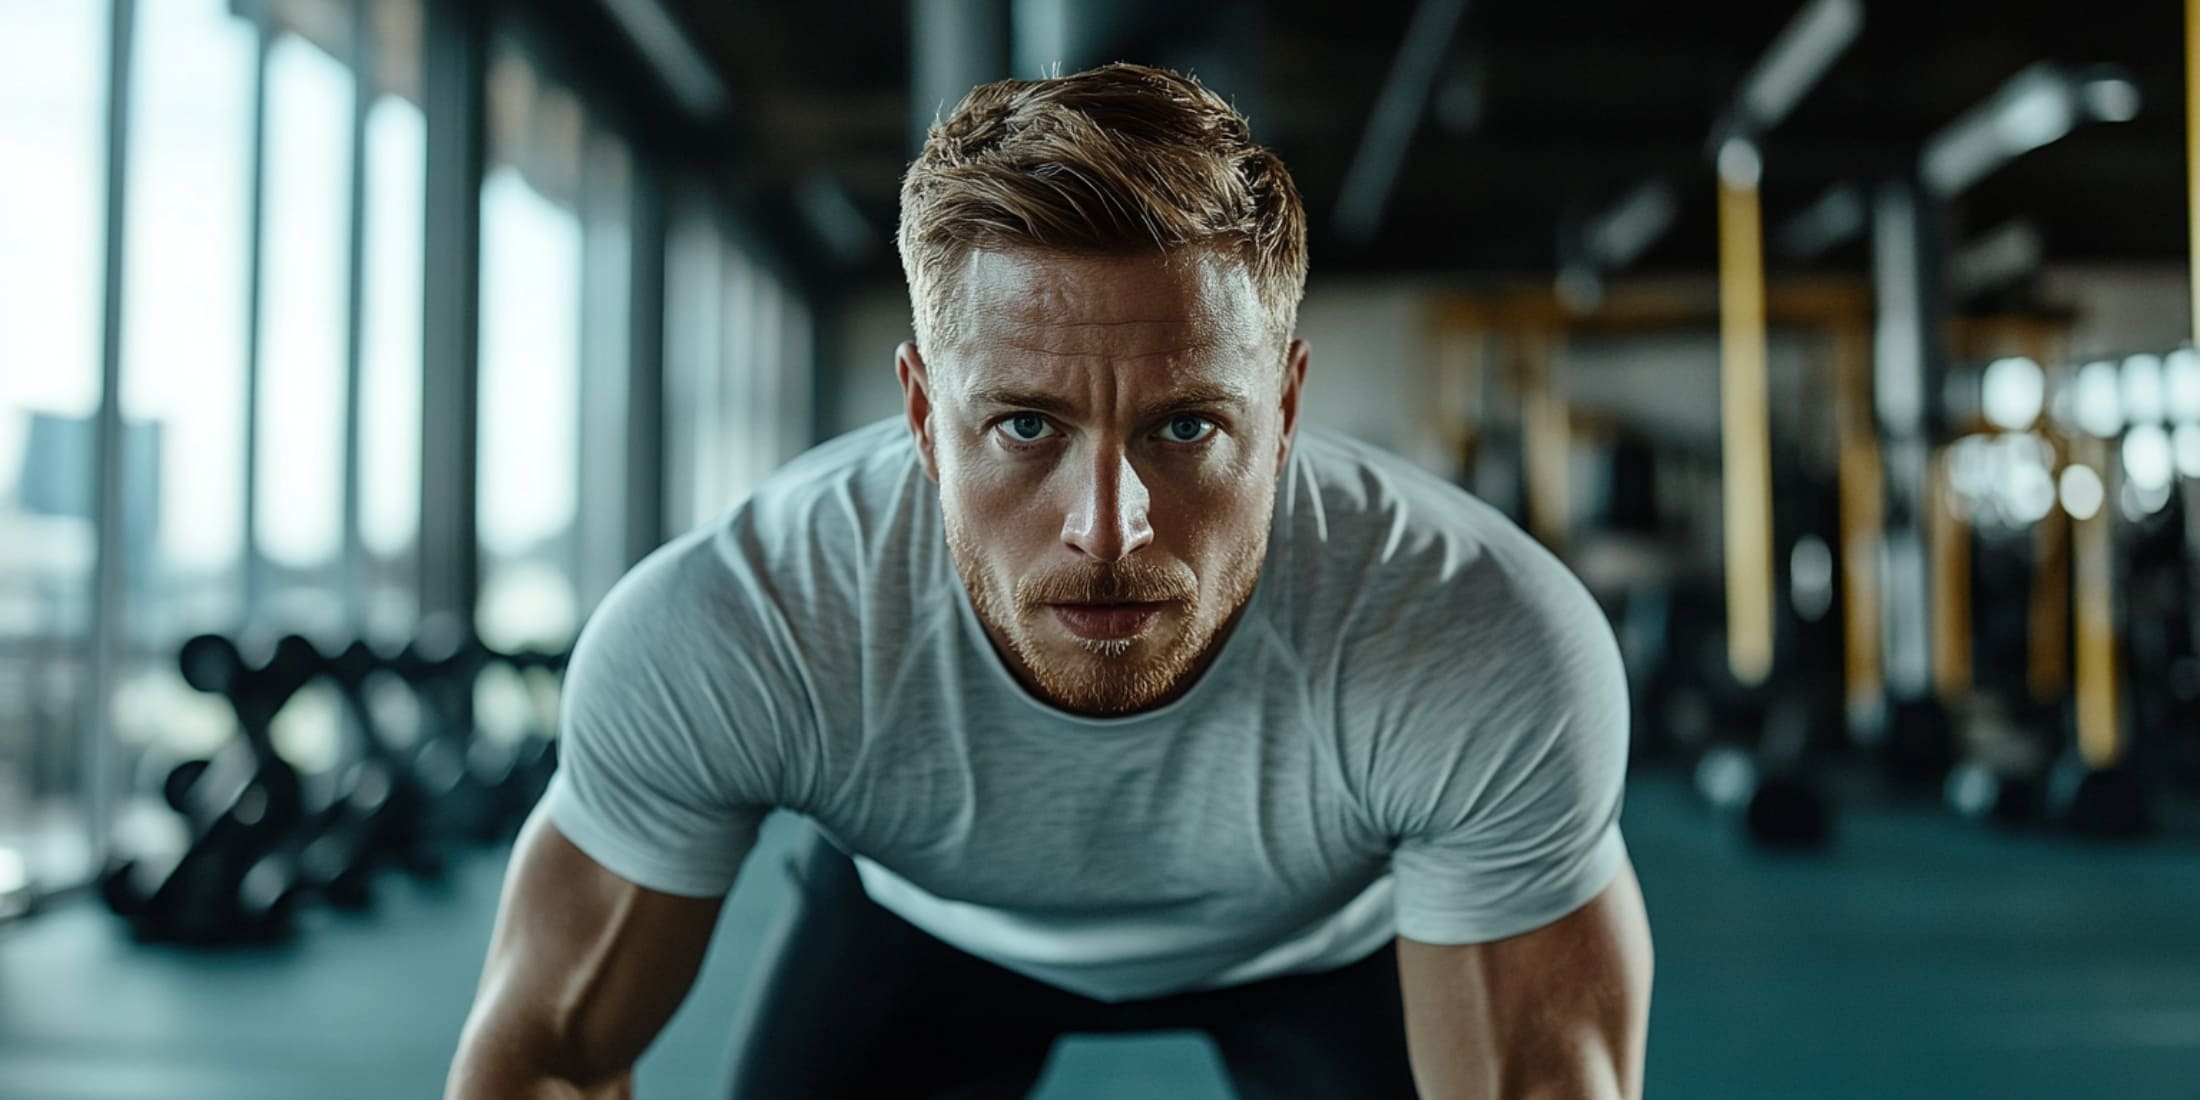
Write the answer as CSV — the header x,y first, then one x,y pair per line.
x,y
1765,783
1918,747
224,887
2003,778
336,864
1777,809
533,759
457,772
2110,803
195,895
2002,796
382,790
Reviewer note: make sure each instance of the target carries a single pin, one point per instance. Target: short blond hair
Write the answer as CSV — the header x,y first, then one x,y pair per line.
x,y
1112,160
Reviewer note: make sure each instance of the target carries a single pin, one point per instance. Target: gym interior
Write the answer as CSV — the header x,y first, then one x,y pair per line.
x,y
351,351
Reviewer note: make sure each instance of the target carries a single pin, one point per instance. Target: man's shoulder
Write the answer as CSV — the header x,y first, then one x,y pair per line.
x,y
842,505
1386,554
866,468
1431,617
802,540
1352,513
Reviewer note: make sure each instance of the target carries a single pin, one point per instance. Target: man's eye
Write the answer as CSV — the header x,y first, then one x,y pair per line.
x,y
1188,429
1026,427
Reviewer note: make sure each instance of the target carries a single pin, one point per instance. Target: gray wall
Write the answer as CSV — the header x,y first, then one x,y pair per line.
x,y
2122,310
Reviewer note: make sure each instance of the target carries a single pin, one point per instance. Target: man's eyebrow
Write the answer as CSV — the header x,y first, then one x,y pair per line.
x,y
1199,397
1010,397
1189,397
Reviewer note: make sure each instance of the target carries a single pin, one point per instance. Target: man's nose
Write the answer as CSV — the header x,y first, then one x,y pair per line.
x,y
1108,521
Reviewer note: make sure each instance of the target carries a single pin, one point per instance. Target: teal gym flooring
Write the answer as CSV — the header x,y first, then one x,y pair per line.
x,y
1921,957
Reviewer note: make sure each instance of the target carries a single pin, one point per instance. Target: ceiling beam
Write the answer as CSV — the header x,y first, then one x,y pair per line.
x,y
1397,114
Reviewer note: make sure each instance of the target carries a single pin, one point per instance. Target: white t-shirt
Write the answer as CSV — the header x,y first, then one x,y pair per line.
x,y
1418,728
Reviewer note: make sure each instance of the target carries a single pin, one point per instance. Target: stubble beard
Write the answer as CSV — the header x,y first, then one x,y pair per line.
x,y
1109,676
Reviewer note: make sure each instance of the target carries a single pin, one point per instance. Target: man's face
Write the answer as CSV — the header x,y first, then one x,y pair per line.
x,y
1106,433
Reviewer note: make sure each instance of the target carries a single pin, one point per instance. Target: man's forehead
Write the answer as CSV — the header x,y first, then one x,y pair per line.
x,y
1063,384
1146,305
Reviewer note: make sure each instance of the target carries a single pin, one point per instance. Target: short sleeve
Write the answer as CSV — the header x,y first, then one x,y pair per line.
x,y
1506,765
671,726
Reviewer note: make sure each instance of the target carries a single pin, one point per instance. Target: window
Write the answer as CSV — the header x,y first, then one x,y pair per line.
x,y
53,92
695,256
186,318
299,483
531,249
737,374
390,336
186,281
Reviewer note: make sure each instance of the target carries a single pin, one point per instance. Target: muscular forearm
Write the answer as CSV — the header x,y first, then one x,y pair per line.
x,y
1562,1012
515,1070
1481,1070
583,970
526,1083
1592,1071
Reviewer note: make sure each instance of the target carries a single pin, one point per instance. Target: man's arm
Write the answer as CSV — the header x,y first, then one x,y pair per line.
x,y
1560,1012
583,971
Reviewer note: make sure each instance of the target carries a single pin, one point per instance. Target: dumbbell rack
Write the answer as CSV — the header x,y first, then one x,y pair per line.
x,y
263,842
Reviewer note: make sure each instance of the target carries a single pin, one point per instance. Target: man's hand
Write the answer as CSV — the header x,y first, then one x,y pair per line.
x,y
1560,1012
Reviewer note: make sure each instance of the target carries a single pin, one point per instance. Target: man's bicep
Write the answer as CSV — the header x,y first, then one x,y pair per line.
x,y
1561,1011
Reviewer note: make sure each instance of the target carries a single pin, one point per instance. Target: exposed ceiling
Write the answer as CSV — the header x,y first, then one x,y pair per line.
x,y
1543,111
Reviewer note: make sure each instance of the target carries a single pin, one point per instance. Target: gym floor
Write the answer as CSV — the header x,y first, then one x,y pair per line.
x,y
1920,958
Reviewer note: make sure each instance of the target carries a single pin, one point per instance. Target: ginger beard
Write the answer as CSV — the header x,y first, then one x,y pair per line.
x,y
1117,675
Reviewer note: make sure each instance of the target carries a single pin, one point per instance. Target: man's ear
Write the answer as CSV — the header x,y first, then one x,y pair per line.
x,y
1294,383
916,402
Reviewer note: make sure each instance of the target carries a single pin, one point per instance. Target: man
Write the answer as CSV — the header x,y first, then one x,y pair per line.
x,y
1134,707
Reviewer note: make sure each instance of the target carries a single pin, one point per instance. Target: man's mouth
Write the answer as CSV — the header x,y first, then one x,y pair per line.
x,y
1105,621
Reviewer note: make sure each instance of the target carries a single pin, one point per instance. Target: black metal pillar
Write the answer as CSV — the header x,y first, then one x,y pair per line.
x,y
1909,362
455,57
645,395
363,59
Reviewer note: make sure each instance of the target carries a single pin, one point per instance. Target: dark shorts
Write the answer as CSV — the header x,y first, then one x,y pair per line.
x,y
852,1001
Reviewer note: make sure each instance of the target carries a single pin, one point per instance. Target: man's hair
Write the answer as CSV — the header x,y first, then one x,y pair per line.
x,y
1114,161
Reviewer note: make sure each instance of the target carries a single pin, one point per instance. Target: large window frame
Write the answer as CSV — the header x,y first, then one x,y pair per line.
x,y
629,171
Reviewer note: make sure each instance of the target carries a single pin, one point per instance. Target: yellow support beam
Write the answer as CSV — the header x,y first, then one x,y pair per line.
x,y
2100,731
1546,428
1948,550
1863,508
1745,430
2192,145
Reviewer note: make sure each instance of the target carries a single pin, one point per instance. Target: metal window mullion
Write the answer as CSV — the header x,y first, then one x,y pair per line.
x,y
456,55
688,355
353,584
255,560
108,621
645,388
587,500
600,541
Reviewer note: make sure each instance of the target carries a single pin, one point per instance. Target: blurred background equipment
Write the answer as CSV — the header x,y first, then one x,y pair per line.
x,y
351,350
